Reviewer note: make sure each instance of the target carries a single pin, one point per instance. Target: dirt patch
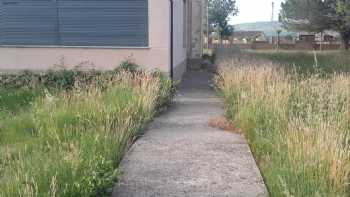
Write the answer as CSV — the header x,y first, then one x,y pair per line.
x,y
223,124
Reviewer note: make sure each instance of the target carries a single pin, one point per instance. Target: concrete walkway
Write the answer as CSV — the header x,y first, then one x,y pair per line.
x,y
181,156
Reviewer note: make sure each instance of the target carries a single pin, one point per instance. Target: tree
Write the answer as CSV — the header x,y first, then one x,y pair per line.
x,y
220,12
342,21
318,16
226,31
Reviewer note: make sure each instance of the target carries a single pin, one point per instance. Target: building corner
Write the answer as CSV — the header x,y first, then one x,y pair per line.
x,y
195,33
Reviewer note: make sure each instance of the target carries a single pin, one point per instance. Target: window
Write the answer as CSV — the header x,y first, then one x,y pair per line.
x,y
74,22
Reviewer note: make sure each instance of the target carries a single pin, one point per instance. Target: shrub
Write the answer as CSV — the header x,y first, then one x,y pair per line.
x,y
129,65
211,56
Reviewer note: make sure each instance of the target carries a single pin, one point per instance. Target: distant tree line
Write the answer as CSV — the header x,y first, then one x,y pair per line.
x,y
318,16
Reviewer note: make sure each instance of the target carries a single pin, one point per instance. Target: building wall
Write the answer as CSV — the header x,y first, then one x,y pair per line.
x,y
179,44
188,43
156,56
196,32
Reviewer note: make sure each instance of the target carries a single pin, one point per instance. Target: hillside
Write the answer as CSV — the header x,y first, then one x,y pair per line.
x,y
268,27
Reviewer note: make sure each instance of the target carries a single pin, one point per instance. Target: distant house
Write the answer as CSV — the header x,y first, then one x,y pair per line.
x,y
307,37
327,36
158,34
248,36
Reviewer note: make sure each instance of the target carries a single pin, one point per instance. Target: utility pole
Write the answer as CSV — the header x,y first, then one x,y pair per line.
x,y
207,24
273,11
272,17
278,39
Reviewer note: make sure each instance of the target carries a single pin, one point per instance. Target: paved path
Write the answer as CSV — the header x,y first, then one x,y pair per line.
x,y
181,156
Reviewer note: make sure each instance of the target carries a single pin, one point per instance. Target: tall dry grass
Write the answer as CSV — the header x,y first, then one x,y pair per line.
x,y
298,128
70,143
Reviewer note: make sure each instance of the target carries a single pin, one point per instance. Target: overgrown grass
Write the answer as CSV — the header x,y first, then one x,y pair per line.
x,y
14,100
70,142
305,62
298,128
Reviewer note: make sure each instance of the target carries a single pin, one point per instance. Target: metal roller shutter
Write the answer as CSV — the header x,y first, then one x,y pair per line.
x,y
74,22
103,22
29,22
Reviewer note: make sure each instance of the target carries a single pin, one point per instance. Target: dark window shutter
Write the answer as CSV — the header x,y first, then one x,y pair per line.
x,y
74,22
103,22
1,21
28,22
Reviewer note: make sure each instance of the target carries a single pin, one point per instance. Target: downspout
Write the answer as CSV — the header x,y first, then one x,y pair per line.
x,y
172,40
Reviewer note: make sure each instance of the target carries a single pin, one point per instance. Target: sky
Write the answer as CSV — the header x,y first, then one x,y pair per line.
x,y
255,10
